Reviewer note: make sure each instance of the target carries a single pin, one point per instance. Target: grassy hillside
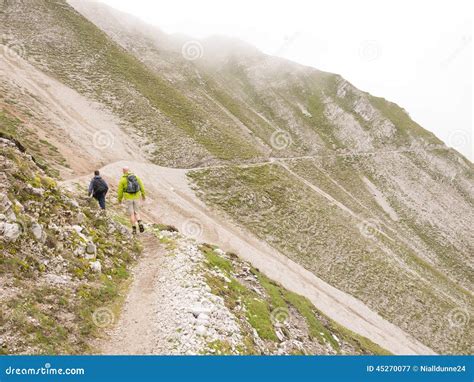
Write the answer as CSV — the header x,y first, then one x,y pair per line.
x,y
384,264
62,262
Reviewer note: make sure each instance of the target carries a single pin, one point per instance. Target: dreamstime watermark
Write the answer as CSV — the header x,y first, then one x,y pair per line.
x,y
465,41
103,139
280,315
287,42
370,50
12,48
369,228
44,370
192,50
460,140
103,317
192,228
280,140
458,318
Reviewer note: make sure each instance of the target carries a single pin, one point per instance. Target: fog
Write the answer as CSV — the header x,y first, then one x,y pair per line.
x,y
415,53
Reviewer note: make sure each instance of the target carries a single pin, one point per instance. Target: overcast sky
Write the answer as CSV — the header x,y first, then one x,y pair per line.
x,y
416,53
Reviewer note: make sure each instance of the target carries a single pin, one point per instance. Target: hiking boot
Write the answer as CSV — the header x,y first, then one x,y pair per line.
x,y
134,230
142,228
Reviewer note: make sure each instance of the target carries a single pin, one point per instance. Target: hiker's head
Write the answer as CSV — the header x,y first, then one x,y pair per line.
x,y
125,170
96,172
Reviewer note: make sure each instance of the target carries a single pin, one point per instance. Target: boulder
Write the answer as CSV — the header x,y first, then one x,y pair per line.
x,y
77,228
202,319
91,248
10,231
37,231
201,330
34,191
96,266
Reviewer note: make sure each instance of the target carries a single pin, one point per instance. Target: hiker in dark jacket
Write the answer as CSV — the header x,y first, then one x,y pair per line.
x,y
98,189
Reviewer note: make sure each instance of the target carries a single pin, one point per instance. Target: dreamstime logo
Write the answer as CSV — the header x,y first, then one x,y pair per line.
x,y
103,139
370,50
287,42
192,228
465,41
280,315
103,317
280,140
12,49
458,318
459,139
192,50
369,228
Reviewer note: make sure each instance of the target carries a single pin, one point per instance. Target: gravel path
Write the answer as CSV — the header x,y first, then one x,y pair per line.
x,y
169,308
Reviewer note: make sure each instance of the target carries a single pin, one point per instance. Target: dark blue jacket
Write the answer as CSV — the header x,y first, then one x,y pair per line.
x,y
93,185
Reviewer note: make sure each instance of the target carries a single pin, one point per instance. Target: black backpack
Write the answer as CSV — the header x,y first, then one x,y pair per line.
x,y
132,185
100,186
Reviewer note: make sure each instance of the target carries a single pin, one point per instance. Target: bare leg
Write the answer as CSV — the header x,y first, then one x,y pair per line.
x,y
133,219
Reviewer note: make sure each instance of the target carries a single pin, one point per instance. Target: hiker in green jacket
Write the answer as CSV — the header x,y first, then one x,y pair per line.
x,y
131,189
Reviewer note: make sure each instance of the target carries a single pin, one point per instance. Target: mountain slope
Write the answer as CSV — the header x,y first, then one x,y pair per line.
x,y
346,184
65,267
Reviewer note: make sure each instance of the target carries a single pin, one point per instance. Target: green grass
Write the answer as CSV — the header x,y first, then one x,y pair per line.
x,y
258,314
214,260
259,309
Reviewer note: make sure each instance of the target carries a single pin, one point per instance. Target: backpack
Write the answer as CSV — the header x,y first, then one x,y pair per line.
x,y
99,186
132,185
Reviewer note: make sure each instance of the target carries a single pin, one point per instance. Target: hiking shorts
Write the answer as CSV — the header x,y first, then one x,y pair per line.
x,y
132,206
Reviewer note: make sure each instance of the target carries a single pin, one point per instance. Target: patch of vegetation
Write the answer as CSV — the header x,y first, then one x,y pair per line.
x,y
45,155
220,347
214,260
259,309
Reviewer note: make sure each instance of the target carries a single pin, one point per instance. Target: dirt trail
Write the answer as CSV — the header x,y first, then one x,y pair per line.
x,y
136,331
171,200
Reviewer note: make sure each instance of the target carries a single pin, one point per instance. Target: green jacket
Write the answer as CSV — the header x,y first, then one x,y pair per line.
x,y
122,194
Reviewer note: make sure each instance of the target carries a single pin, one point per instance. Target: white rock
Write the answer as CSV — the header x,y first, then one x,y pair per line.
x,y
198,309
91,248
201,330
10,231
34,191
57,279
77,228
202,318
95,266
37,231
